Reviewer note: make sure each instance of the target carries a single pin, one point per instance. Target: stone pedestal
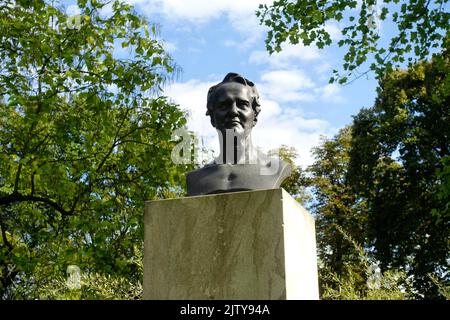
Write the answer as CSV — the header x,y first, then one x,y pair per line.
x,y
241,245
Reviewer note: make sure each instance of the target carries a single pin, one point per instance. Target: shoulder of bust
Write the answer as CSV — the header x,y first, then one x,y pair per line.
x,y
284,170
202,170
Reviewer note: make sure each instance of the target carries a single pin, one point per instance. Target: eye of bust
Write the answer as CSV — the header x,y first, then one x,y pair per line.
x,y
243,103
222,105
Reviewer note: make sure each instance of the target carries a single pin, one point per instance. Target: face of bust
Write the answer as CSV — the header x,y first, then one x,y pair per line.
x,y
233,108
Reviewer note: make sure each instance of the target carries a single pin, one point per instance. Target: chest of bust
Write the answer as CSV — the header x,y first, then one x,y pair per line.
x,y
227,178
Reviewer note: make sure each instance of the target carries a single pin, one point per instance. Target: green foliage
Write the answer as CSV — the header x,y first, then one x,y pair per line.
x,y
295,184
399,166
95,286
444,288
85,139
385,181
334,202
362,279
422,26
443,190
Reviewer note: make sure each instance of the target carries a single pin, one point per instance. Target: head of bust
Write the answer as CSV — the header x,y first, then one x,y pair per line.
x,y
233,104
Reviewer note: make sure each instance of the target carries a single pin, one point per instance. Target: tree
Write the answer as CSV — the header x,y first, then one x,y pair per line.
x,y
399,166
296,183
423,26
323,187
334,204
443,190
95,286
362,279
85,139
348,268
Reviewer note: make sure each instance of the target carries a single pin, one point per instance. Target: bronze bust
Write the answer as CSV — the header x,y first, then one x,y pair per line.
x,y
233,106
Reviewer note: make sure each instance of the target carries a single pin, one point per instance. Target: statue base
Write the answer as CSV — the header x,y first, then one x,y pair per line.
x,y
255,245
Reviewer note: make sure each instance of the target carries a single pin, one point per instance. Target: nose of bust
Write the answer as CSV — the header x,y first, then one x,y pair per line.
x,y
233,110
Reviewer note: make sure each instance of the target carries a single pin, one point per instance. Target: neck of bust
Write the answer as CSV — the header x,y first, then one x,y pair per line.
x,y
236,149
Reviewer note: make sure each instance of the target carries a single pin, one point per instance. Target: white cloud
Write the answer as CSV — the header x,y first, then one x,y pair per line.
x,y
330,93
292,128
240,14
290,55
73,10
334,30
170,46
230,43
247,25
323,68
191,96
198,10
286,86
277,124
193,50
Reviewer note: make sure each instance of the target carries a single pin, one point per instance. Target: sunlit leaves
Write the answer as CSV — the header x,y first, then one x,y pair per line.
x,y
422,27
84,137
397,165
334,201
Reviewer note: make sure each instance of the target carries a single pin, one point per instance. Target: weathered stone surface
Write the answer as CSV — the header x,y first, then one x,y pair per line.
x,y
241,245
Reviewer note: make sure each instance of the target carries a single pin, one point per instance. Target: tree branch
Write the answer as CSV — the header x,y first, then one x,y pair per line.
x,y
17,197
16,181
115,140
5,239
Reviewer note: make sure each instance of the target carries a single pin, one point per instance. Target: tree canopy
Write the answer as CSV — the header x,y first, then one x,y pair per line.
x,y
335,204
423,27
85,139
399,165
295,184
384,180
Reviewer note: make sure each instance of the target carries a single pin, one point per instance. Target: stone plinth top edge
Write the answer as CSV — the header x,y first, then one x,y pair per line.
x,y
281,190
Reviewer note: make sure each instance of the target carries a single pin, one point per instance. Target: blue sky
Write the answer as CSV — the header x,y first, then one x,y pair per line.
x,y
209,38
